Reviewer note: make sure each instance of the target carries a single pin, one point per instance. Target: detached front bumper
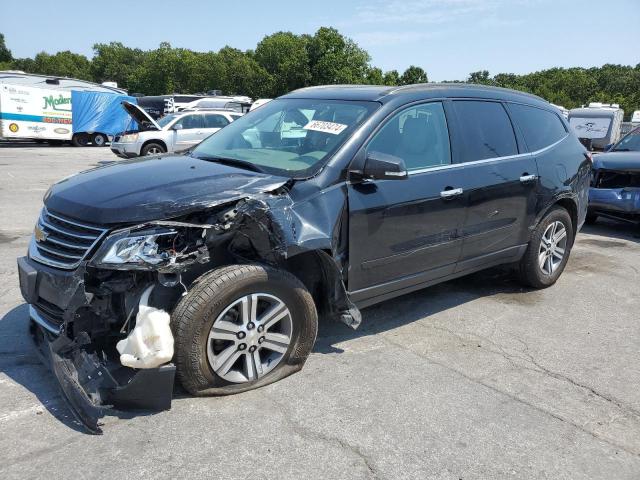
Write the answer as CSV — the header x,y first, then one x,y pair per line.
x,y
89,373
621,203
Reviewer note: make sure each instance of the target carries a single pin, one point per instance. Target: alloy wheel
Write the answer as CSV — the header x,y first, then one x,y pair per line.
x,y
249,338
154,151
553,245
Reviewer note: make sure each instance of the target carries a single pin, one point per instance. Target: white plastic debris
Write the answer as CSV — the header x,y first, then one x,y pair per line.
x,y
150,343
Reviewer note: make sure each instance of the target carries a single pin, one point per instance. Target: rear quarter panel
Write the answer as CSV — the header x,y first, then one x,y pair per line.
x,y
565,172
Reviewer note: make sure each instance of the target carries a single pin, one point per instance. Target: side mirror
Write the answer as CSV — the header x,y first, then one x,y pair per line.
x,y
608,147
381,166
177,126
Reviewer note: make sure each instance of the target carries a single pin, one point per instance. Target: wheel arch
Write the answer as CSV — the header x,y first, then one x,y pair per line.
x,y
154,140
322,276
569,203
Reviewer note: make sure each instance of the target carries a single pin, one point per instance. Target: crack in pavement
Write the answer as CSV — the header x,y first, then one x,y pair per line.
x,y
635,453
510,357
308,433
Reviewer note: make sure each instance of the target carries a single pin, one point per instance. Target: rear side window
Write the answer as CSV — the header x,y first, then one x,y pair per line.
x,y
215,121
540,128
418,135
486,129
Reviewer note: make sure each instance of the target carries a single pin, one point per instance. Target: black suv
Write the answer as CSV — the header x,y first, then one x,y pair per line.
x,y
321,202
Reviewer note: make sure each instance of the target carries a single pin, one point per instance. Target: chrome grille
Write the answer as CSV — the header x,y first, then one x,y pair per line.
x,y
63,243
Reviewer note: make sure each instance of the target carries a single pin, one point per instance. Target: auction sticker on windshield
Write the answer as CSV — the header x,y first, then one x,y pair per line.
x,y
325,127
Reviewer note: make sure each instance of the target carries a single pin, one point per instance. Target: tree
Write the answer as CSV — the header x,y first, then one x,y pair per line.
x,y
5,53
115,62
63,64
335,59
374,76
412,75
391,78
244,75
284,56
481,77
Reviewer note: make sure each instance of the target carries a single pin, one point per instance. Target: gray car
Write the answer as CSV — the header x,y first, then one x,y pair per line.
x,y
172,133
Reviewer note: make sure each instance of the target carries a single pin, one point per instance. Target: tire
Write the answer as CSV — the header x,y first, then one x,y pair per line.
x,y
80,140
591,218
152,149
98,140
214,298
532,271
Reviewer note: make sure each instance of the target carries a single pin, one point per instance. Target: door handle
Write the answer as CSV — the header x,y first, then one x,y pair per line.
x,y
451,193
526,178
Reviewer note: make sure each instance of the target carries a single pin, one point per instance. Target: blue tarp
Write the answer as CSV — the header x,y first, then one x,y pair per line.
x,y
100,112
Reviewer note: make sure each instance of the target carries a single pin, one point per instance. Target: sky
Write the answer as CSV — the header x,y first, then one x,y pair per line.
x,y
448,38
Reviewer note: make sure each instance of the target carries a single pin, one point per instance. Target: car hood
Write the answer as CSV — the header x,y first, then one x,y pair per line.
x,y
155,188
621,161
140,116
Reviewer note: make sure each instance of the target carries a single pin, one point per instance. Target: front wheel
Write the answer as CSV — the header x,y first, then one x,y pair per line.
x,y
548,250
241,327
152,149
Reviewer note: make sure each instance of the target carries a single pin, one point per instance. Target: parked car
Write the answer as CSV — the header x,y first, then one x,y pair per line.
x,y
171,133
615,186
349,197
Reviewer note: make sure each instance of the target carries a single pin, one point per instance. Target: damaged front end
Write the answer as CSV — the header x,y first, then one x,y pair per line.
x,y
616,194
100,298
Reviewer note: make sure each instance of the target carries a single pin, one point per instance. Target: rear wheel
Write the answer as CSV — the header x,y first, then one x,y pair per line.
x,y
241,327
98,140
153,149
80,140
548,250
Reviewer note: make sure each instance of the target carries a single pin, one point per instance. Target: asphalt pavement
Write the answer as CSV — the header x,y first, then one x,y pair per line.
x,y
472,379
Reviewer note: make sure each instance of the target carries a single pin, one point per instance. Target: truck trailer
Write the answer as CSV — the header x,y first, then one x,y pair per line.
x,y
41,108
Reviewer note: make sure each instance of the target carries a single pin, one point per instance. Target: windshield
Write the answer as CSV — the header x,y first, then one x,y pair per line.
x,y
164,121
289,137
630,143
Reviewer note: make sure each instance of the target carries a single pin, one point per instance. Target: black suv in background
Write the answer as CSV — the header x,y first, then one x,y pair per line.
x,y
321,202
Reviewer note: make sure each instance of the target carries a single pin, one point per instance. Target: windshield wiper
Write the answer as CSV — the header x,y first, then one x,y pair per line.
x,y
621,150
234,162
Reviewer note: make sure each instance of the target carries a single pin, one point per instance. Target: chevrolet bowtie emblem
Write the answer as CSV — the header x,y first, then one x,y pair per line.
x,y
39,234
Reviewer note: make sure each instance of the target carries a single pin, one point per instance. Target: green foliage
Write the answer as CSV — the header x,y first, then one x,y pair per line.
x,y
5,53
573,87
285,56
61,64
391,78
412,75
335,59
285,61
116,63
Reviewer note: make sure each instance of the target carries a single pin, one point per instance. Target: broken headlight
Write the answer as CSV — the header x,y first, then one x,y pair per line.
x,y
142,249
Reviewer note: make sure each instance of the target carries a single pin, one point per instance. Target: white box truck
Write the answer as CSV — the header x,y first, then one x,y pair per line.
x,y
34,113
39,107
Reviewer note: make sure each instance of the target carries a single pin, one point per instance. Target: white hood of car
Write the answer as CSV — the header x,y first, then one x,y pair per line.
x,y
140,116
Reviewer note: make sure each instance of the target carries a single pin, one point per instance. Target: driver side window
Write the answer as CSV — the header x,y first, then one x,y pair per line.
x,y
190,121
418,134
